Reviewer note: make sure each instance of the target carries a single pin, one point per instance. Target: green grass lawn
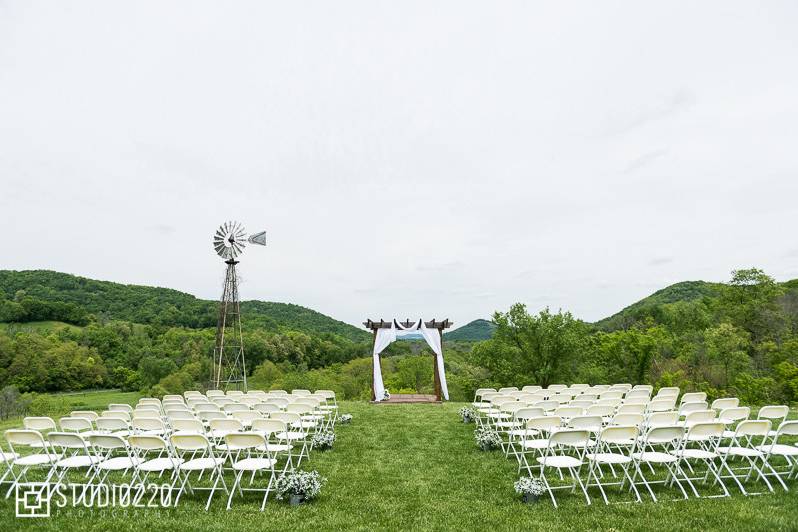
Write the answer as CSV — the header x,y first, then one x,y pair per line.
x,y
415,467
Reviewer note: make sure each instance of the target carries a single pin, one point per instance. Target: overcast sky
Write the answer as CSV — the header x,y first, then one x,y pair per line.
x,y
409,159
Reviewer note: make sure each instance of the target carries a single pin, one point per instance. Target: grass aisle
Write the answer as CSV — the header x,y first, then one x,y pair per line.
x,y
415,467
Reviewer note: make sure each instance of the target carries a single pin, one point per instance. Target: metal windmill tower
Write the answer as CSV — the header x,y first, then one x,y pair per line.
x,y
229,369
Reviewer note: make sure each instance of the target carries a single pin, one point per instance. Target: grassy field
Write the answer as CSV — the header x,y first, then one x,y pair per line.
x,y
415,467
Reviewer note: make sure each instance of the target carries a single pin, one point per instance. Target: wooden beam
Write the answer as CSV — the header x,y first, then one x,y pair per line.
x,y
382,324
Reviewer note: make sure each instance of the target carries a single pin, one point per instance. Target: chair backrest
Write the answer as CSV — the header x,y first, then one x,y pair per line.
x,y
556,387
612,401
191,442
591,423
665,435
147,442
188,425
147,423
699,416
529,412
592,397
732,414
266,408
214,393
531,388
581,404
88,414
662,419
118,414
611,394
75,424
249,401
686,408
705,431
67,440
752,427
279,401
693,397
288,417
787,428
545,423
235,407
568,411
662,404
725,402
180,414
209,416
40,423
647,387
299,408
146,413
300,392
111,424
107,442
635,420
512,407
230,424
600,410
632,408
668,390
237,441
619,435
206,407
548,406
772,412
269,426
570,437
248,416
26,437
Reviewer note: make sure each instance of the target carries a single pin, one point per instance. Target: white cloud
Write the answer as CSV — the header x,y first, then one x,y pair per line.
x,y
406,159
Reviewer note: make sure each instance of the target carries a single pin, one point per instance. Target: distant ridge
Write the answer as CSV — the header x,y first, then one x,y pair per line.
x,y
159,306
474,331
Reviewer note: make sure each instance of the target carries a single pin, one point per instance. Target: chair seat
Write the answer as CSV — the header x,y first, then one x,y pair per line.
x,y
560,461
78,461
303,424
779,449
499,415
160,464
198,464
654,457
507,424
535,444
36,459
220,433
609,458
7,456
254,464
276,447
697,454
521,432
739,451
119,463
291,435
328,407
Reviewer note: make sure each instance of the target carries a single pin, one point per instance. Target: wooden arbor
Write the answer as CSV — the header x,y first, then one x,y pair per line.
x,y
374,326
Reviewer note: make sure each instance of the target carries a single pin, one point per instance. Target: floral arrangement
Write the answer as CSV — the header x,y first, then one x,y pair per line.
x,y
487,438
386,395
467,414
345,418
529,486
323,440
304,484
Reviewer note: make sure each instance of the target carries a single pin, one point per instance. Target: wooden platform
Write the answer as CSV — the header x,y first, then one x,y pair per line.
x,y
398,398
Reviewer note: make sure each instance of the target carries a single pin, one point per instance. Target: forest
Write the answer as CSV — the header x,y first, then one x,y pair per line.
x,y
64,333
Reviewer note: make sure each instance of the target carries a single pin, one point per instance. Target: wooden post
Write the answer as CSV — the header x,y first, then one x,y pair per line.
x,y
373,343
435,369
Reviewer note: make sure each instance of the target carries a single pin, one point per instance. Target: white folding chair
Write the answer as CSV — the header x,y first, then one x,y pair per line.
x,y
700,445
783,450
744,446
614,447
574,440
73,451
543,427
152,455
197,456
249,454
656,449
41,457
114,456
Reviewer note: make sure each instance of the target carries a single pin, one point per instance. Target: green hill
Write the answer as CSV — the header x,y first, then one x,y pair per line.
x,y
684,291
43,295
474,331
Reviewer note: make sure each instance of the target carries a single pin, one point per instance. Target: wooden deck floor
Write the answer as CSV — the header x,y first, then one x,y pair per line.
x,y
409,398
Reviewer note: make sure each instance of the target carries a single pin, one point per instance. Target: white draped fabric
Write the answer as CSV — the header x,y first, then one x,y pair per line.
x,y
386,337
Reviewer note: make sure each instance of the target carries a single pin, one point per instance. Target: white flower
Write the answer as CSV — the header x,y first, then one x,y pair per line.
x,y
323,440
305,483
345,418
529,486
486,437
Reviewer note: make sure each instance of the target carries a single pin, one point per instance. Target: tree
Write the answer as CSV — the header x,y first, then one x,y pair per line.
x,y
727,347
538,349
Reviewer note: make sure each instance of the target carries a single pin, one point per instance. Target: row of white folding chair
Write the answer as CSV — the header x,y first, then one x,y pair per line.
x,y
671,446
179,457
